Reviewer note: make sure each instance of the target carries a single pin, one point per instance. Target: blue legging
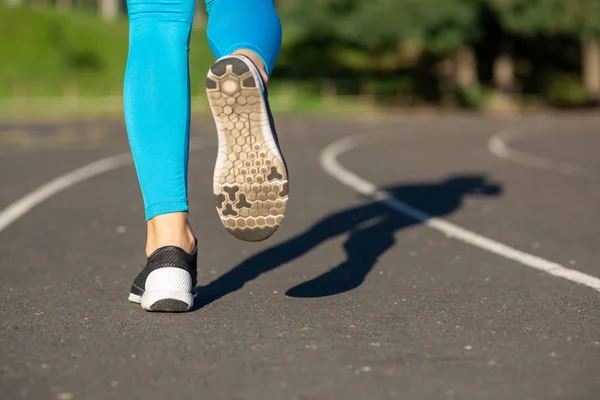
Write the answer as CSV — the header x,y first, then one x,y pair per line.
x,y
157,89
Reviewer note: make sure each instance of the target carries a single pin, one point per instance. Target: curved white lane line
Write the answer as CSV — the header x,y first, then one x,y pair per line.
x,y
22,206
335,169
498,146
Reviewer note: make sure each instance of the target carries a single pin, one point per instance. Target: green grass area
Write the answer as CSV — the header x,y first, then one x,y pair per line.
x,y
65,62
46,52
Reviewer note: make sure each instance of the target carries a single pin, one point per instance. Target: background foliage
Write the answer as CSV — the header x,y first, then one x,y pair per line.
x,y
385,52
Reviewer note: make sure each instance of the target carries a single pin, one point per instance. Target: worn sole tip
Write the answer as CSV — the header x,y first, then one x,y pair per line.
x,y
253,234
169,305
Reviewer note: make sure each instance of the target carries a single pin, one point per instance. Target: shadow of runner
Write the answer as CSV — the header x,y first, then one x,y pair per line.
x,y
371,228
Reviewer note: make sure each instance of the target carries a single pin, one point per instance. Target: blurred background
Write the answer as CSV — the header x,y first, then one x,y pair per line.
x,y
68,56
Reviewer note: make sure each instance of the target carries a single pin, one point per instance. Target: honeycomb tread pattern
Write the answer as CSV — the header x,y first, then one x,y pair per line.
x,y
250,178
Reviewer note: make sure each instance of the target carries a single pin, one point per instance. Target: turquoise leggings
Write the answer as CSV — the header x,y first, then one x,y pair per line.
x,y
157,89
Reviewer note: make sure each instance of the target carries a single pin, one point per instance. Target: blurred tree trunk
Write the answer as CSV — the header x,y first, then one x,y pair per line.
x,y
108,9
466,68
502,98
446,72
591,69
455,73
504,71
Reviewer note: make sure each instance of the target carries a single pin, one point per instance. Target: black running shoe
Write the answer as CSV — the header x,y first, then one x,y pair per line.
x,y
168,281
250,178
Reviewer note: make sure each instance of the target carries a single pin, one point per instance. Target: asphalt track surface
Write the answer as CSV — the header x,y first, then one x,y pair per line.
x,y
351,299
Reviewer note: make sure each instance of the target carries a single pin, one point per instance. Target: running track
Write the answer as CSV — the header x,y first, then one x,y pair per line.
x,y
446,257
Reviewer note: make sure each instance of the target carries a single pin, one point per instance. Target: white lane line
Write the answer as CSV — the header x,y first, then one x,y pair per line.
x,y
498,146
335,169
26,203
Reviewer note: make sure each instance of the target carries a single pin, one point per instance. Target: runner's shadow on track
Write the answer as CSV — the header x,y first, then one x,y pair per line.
x,y
370,229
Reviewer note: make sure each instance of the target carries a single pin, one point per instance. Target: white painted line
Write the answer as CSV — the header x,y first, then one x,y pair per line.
x,y
335,169
498,146
22,206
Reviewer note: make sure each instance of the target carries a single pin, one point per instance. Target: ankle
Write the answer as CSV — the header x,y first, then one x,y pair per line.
x,y
184,241
258,62
170,230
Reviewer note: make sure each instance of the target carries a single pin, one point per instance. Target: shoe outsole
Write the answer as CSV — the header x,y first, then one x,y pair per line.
x,y
169,305
250,178
165,304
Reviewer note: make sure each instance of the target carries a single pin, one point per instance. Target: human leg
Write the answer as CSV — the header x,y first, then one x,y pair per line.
x,y
157,115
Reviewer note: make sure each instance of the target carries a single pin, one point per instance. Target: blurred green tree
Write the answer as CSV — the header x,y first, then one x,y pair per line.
x,y
386,34
447,29
582,18
579,18
522,18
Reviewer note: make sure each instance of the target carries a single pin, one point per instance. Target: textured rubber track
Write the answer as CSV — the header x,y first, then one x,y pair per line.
x,y
250,178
